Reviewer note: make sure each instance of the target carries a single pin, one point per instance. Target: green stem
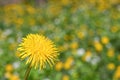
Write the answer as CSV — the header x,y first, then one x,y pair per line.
x,y
27,72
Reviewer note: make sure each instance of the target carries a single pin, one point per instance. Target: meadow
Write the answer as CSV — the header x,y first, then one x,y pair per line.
x,y
86,32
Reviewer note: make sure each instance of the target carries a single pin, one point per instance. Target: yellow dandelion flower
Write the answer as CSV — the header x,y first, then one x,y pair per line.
x,y
114,29
8,75
74,45
105,40
9,68
87,56
81,35
65,2
65,77
98,46
117,74
59,66
30,9
110,52
111,66
14,77
68,63
118,57
38,50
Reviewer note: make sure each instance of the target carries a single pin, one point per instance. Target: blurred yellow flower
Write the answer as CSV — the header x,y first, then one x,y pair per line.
x,y
114,29
18,22
65,77
81,35
8,75
103,5
32,22
66,46
12,46
105,40
115,16
98,46
61,48
54,10
115,2
30,9
92,2
9,68
118,57
68,63
117,74
58,66
110,53
74,45
111,66
67,37
38,50
14,77
87,56
74,8
65,2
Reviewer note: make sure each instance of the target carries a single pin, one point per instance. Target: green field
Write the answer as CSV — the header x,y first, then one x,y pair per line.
x,y
86,32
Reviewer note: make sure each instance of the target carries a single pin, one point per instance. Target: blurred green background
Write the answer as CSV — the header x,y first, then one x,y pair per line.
x,y
87,33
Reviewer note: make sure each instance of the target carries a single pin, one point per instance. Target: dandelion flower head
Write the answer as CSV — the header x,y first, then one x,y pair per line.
x,y
38,51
